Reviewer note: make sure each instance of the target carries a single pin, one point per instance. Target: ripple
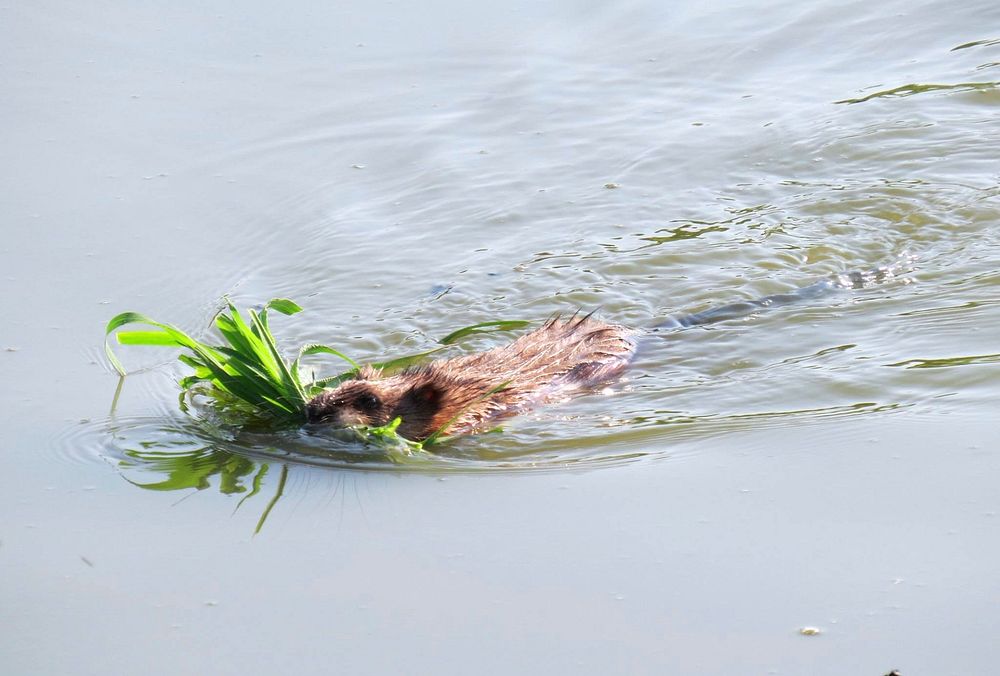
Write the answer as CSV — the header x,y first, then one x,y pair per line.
x,y
176,452
181,445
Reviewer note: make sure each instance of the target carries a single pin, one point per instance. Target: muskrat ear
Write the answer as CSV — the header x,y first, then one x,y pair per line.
x,y
426,394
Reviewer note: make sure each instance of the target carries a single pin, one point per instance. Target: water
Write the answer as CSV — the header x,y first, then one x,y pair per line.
x,y
402,171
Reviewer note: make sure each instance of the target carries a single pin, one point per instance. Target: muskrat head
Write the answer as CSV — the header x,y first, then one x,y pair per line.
x,y
356,402
374,403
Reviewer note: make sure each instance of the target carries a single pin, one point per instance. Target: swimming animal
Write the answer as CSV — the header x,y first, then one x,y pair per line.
x,y
470,393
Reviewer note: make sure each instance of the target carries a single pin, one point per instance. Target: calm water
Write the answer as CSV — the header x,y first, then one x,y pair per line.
x,y
401,171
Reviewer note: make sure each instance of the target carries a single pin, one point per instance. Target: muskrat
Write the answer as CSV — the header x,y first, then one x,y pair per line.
x,y
470,393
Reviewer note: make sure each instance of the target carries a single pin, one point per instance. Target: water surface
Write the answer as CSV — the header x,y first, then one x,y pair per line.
x,y
402,171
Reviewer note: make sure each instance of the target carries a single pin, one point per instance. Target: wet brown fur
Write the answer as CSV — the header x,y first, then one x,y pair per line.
x,y
469,393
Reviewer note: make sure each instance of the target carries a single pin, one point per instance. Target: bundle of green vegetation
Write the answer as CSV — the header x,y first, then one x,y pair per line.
x,y
249,375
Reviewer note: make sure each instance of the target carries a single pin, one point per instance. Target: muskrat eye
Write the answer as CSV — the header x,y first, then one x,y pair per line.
x,y
367,402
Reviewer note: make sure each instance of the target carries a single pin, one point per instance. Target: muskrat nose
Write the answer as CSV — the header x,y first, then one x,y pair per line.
x,y
315,408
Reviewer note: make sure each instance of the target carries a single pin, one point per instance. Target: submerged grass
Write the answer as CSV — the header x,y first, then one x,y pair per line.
x,y
248,376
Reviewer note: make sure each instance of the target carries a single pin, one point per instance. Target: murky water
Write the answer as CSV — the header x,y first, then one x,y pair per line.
x,y
402,171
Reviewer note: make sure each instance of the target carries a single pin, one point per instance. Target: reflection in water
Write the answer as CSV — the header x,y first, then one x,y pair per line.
x,y
949,361
976,43
196,453
686,231
195,469
911,89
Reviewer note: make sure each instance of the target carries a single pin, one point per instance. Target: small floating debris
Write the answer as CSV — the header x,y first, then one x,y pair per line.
x,y
612,186
809,631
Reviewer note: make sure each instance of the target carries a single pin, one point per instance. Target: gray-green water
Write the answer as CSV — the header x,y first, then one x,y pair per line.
x,y
403,170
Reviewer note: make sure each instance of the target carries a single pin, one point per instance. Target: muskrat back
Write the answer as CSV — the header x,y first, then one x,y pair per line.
x,y
469,393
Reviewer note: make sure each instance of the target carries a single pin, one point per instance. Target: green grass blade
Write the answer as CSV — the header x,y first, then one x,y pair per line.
x,y
199,367
253,386
147,338
247,340
284,306
188,382
180,338
484,327
403,362
124,318
246,363
292,386
316,348
281,406
316,386
391,365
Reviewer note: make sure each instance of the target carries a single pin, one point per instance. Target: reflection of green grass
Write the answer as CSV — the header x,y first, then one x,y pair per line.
x,y
949,361
976,43
274,500
680,233
912,89
195,468
184,466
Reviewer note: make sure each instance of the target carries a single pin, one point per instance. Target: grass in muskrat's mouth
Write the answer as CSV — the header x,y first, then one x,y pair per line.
x,y
247,377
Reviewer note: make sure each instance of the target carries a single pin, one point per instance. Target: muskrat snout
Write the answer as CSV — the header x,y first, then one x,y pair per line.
x,y
353,403
317,407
